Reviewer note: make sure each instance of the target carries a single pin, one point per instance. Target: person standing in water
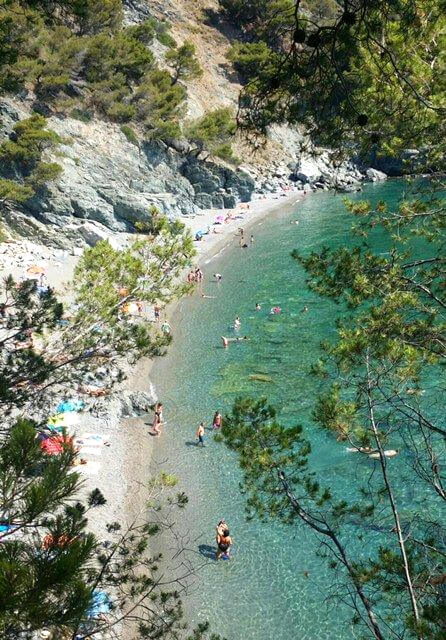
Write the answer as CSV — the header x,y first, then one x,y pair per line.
x,y
157,419
218,277
237,323
252,239
224,543
217,421
258,307
200,433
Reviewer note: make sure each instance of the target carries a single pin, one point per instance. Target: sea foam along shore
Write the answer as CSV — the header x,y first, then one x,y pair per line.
x,y
122,469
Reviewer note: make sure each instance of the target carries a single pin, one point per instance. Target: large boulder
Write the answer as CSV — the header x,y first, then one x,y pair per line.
x,y
374,175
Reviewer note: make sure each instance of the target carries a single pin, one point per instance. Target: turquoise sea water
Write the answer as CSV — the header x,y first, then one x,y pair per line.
x,y
274,586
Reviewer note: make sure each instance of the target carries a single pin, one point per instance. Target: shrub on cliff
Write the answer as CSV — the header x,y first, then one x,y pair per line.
x,y
22,159
184,62
212,132
250,58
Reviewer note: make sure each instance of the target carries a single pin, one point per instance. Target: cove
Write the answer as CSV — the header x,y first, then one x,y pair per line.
x,y
274,586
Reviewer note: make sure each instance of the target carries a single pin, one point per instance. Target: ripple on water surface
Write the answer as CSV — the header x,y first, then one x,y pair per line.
x,y
274,586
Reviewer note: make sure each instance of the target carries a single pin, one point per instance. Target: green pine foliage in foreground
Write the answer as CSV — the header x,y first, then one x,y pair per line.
x,y
366,77
55,575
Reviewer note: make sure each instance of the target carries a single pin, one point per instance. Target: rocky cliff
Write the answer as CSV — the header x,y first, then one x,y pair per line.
x,y
109,182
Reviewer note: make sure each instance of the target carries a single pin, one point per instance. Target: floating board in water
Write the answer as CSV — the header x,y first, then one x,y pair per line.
x,y
390,453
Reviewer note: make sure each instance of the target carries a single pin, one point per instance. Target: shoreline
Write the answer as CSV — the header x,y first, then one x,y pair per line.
x,y
142,376
124,467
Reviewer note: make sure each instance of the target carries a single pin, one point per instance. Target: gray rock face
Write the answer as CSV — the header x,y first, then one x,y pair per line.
x,y
112,182
374,175
136,403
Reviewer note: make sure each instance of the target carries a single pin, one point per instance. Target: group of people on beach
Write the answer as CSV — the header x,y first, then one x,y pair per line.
x,y
195,275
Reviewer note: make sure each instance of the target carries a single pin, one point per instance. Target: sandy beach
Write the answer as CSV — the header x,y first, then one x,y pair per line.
x,y
119,450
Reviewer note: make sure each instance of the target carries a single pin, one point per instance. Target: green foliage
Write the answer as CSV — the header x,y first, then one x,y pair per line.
x,y
52,568
368,75
130,134
22,155
12,191
213,132
184,62
251,58
81,114
159,104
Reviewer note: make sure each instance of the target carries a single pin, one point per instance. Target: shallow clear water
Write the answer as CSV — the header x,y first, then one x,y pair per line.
x,y
274,587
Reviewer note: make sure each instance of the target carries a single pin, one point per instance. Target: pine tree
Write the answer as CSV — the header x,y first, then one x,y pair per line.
x,y
184,62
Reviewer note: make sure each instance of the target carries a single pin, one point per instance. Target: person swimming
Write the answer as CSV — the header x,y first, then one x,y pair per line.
x,y
258,307
275,310
226,341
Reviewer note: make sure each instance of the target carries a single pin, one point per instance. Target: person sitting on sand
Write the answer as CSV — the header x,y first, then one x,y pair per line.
x,y
157,419
200,433
224,543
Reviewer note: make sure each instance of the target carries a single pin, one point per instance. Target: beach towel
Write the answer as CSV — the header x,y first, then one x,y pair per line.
x,y
89,451
100,603
90,468
70,405
92,439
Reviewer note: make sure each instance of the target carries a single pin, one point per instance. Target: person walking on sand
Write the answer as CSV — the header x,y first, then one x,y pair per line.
x,y
217,421
157,419
198,275
224,543
200,433
157,313
166,328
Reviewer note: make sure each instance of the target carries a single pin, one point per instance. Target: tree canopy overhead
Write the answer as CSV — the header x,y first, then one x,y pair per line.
x,y
366,73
